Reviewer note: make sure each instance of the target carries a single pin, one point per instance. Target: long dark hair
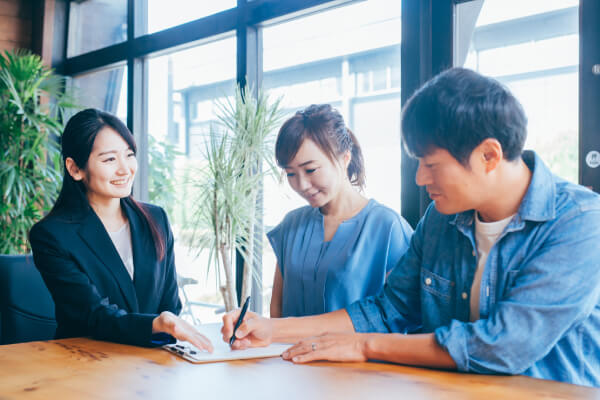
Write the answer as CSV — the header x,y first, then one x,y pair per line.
x,y
325,126
77,142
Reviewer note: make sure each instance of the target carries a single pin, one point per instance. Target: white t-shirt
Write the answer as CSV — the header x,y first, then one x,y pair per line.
x,y
122,241
486,234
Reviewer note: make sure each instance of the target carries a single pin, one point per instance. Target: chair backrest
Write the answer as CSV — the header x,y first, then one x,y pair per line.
x,y
26,307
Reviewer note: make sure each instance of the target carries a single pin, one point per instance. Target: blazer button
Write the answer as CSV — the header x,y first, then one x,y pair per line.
x,y
464,295
428,281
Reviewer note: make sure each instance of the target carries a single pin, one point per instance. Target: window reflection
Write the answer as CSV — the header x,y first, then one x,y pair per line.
x,y
533,48
182,90
163,14
348,57
105,90
94,24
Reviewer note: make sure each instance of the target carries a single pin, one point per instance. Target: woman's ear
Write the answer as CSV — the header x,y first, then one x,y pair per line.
x,y
347,158
73,170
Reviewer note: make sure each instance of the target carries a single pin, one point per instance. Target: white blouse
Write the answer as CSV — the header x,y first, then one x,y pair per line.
x,y
122,241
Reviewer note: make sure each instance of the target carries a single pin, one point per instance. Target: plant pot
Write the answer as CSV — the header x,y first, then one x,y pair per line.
x,y
26,307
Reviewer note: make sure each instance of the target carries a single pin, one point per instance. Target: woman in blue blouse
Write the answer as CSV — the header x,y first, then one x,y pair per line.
x,y
340,248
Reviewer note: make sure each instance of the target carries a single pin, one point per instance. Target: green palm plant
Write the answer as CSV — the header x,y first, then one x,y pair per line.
x,y
161,174
239,155
31,107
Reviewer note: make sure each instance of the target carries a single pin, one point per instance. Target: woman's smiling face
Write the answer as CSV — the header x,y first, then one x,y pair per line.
x,y
314,176
110,169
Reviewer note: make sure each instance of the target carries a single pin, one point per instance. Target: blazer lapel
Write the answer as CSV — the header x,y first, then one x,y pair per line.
x,y
95,236
144,254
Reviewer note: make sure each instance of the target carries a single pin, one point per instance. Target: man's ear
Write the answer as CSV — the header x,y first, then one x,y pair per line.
x,y
489,153
73,170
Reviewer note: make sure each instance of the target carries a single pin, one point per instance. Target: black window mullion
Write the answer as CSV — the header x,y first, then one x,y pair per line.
x,y
130,69
589,93
426,50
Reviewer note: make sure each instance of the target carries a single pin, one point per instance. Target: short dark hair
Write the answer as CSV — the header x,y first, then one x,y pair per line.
x,y
457,110
325,126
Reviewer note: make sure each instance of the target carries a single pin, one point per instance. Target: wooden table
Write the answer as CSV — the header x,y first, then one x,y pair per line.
x,y
88,369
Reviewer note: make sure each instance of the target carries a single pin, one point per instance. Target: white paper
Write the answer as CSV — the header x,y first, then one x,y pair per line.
x,y
222,351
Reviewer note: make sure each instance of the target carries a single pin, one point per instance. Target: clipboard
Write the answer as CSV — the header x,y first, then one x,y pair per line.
x,y
222,351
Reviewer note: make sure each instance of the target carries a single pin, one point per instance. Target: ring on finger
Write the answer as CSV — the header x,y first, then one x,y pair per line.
x,y
313,346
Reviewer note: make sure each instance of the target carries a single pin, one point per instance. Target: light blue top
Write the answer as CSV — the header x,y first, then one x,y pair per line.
x,y
323,276
540,289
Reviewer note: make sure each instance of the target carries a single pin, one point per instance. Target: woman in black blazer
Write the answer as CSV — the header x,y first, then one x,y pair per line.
x,y
106,258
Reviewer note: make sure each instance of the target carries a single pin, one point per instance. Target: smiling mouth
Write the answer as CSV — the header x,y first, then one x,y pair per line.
x,y
120,182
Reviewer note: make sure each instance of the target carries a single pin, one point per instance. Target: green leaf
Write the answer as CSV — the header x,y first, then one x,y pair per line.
x,y
29,159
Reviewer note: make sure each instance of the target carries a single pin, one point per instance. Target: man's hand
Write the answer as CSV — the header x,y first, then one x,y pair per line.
x,y
330,346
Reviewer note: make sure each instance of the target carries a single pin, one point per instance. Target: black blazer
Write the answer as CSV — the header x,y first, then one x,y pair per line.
x,y
92,291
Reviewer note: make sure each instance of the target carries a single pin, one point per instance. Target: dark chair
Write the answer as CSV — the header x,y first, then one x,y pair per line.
x,y
26,307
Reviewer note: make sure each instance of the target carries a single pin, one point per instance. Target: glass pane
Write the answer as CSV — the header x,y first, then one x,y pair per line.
x,y
105,90
348,57
95,24
533,48
163,14
182,89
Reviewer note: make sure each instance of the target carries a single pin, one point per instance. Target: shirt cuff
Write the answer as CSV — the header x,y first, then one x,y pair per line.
x,y
140,332
453,339
358,318
162,338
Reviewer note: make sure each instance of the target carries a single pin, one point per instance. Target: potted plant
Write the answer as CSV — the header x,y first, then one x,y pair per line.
x,y
239,155
31,105
161,174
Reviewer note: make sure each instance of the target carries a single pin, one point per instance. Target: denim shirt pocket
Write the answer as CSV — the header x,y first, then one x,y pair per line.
x,y
437,300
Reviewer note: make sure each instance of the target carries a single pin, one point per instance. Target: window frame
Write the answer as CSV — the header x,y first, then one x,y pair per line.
x,y
427,46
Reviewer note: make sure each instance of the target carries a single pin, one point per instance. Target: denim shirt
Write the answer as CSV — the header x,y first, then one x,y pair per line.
x,y
540,290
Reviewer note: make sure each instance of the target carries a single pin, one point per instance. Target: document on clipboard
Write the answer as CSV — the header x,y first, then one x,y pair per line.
x,y
222,351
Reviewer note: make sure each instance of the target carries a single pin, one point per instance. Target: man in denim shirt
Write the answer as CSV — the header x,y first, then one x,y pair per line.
x,y
503,271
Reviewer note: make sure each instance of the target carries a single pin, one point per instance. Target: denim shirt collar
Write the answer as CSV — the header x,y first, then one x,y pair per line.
x,y
539,203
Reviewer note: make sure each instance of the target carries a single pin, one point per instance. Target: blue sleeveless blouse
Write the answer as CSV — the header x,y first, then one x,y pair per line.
x,y
321,276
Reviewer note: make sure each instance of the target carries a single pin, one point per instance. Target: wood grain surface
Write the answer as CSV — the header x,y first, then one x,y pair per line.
x,y
87,369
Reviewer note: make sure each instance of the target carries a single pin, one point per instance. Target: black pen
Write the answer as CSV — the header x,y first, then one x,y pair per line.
x,y
240,319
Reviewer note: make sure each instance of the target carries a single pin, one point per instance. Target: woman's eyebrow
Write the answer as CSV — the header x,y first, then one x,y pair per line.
x,y
113,151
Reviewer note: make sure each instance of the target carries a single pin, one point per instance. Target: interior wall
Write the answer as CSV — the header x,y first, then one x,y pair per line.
x,y
16,24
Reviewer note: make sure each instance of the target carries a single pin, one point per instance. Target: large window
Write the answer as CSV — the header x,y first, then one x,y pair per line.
x,y
163,14
348,57
182,89
105,90
533,48
162,68
95,24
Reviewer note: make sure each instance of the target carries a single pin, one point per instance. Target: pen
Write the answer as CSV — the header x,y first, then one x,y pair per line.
x,y
240,319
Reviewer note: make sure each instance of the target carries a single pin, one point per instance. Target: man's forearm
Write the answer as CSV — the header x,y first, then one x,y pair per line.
x,y
418,349
291,330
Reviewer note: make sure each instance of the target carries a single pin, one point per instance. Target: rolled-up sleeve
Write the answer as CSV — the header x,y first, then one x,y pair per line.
x,y
554,291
